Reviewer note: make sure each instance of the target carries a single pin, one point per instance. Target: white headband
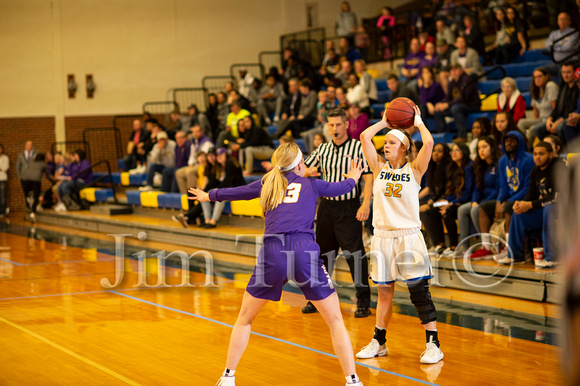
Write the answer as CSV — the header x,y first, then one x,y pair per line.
x,y
296,161
400,136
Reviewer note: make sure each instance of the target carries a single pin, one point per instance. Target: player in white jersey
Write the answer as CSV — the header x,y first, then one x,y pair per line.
x,y
398,248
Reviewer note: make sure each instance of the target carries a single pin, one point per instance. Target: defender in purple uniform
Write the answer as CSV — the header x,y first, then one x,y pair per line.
x,y
288,200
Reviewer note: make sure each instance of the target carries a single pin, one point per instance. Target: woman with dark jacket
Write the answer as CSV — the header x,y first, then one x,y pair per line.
x,y
254,142
225,173
80,173
31,178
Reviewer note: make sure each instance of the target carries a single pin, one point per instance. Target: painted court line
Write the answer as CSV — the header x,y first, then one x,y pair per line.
x,y
270,337
71,353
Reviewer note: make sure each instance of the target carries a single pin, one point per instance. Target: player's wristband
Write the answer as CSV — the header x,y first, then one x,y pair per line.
x,y
418,121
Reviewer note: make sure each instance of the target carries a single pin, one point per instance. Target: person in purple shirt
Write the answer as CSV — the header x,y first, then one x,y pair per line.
x,y
182,153
430,91
410,68
288,200
80,173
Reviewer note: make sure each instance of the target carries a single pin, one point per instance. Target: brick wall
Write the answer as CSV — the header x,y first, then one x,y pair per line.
x,y
14,132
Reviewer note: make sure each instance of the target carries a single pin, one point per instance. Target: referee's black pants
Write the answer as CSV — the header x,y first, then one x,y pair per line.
x,y
337,226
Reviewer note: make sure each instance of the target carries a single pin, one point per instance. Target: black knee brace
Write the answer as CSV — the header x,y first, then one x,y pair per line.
x,y
421,299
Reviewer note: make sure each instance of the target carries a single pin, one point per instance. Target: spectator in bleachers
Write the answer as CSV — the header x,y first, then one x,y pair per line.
x,y
245,82
444,32
385,24
425,38
356,93
430,92
459,190
79,172
226,173
517,31
271,100
565,48
502,124
572,128
196,118
319,139
194,211
366,80
544,94
323,107
486,188
292,102
566,104
4,166
330,64
357,122
556,143
443,64
329,47
212,114
254,143
510,99
362,42
229,87
231,131
462,100
467,57
430,58
473,35
481,128
31,178
345,70
400,90
290,64
532,212
153,130
346,22
341,100
162,156
135,147
186,177
222,114
267,165
235,96
254,94
306,114
331,95
514,178
182,154
494,50
410,68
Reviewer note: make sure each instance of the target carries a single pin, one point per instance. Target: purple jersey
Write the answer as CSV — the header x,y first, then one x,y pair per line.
x,y
296,212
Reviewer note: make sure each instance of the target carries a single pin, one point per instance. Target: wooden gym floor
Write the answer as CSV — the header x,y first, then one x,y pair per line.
x,y
58,325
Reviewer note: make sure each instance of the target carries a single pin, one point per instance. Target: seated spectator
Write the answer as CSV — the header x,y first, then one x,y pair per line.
x,y
436,182
514,178
444,32
341,100
186,177
430,58
385,24
511,100
306,115
462,100
254,143
267,165
322,107
564,49
410,68
319,139
182,154
150,141
245,82
532,212
135,147
226,173
254,94
443,64
235,96
400,90
196,118
356,93
345,49
223,109
473,35
430,92
566,104
162,156
544,93
79,174
362,41
212,114
330,64
194,211
458,191
357,122
556,143
231,131
495,50
572,128
329,47
467,57
486,188
481,128
345,70
502,124
292,102
517,37
366,80
271,100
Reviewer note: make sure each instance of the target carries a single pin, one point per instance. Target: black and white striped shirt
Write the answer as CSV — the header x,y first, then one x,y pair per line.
x,y
333,161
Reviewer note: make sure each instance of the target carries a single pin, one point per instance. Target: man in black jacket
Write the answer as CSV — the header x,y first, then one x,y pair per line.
x,y
254,142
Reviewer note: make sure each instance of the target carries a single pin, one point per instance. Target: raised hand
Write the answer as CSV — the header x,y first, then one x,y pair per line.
x,y
198,195
355,169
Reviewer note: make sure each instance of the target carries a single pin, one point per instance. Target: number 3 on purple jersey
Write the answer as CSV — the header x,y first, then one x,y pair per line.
x,y
292,193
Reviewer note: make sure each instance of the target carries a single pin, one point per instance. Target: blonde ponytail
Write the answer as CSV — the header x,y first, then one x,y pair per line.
x,y
274,184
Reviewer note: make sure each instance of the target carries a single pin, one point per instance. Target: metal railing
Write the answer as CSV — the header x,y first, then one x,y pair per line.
x,y
312,54
256,69
161,110
551,49
309,50
185,96
107,178
217,83
269,59
99,143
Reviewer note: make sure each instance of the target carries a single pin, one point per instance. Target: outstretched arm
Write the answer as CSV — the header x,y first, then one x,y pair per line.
x,y
366,139
421,163
246,192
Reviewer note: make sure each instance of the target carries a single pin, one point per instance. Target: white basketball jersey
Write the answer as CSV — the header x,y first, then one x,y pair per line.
x,y
396,199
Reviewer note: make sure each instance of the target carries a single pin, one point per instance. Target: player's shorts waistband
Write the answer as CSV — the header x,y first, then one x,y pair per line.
x,y
289,237
390,234
341,202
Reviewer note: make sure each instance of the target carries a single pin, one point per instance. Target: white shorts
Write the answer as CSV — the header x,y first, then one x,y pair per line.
x,y
399,255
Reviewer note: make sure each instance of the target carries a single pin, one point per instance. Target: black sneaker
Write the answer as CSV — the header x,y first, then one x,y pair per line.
x,y
362,312
309,309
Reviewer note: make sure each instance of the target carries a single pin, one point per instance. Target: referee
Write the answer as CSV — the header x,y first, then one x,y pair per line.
x,y
339,218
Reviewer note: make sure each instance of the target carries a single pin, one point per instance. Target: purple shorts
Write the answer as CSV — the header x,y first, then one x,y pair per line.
x,y
294,257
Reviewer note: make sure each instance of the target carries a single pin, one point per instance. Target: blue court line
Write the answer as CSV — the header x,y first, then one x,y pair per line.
x,y
13,262
271,337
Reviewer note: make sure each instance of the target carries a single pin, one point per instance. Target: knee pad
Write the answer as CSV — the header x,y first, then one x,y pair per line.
x,y
421,299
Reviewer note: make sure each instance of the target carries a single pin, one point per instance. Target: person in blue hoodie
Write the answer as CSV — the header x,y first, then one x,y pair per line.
x,y
514,178
485,170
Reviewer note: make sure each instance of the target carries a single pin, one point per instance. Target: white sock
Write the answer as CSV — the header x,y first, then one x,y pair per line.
x,y
485,240
352,379
507,237
228,373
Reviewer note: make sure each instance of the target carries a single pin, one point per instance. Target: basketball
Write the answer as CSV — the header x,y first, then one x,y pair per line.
x,y
400,113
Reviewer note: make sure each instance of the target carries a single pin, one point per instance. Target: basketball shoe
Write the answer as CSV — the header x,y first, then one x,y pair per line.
x,y
432,354
373,349
226,381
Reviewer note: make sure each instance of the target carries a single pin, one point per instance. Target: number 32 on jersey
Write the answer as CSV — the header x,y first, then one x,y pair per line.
x,y
393,190
292,193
